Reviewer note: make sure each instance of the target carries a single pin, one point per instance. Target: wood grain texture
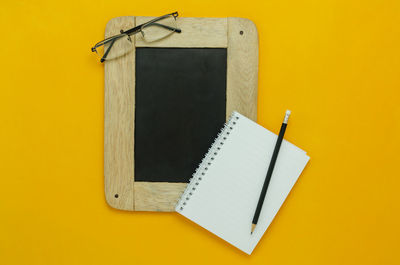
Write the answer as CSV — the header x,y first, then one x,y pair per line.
x,y
157,196
242,72
119,114
119,102
196,32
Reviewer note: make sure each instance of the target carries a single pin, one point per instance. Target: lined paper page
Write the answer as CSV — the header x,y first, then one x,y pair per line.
x,y
224,199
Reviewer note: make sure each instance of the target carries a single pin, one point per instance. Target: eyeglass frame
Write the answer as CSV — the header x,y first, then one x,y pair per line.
x,y
133,31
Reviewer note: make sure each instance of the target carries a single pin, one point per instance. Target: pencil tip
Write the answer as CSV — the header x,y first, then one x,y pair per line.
x,y
253,226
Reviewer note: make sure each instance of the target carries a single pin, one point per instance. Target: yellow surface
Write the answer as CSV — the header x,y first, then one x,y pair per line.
x,y
335,64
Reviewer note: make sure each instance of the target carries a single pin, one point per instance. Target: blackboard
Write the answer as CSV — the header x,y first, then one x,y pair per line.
x,y
165,101
180,106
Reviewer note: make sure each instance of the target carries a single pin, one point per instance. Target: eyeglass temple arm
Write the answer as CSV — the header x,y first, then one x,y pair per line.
x,y
132,30
175,15
139,27
168,27
108,50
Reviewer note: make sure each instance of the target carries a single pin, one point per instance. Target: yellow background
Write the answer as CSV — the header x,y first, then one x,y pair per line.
x,y
335,64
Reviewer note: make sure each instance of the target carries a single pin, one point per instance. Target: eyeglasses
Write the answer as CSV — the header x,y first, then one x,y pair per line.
x,y
153,30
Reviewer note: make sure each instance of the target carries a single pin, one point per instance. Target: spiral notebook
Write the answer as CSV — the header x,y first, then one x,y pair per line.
x,y
223,193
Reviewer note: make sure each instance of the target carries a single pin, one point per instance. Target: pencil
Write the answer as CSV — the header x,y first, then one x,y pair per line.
x,y
270,170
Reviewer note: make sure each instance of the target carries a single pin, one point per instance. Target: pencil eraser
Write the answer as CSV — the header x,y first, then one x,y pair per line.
x,y
287,116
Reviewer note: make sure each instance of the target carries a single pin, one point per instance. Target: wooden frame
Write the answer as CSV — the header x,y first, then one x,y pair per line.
x,y
238,35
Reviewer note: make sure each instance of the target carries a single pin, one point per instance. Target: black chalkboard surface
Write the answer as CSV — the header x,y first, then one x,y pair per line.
x,y
180,106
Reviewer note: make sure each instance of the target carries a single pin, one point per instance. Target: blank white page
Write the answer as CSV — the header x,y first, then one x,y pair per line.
x,y
223,193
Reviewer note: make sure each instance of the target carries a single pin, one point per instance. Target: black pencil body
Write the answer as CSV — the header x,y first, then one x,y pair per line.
x,y
269,173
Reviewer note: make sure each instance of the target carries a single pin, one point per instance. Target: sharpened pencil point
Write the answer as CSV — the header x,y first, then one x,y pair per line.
x,y
253,226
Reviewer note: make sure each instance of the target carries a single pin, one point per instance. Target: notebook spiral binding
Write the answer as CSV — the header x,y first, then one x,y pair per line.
x,y
207,161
